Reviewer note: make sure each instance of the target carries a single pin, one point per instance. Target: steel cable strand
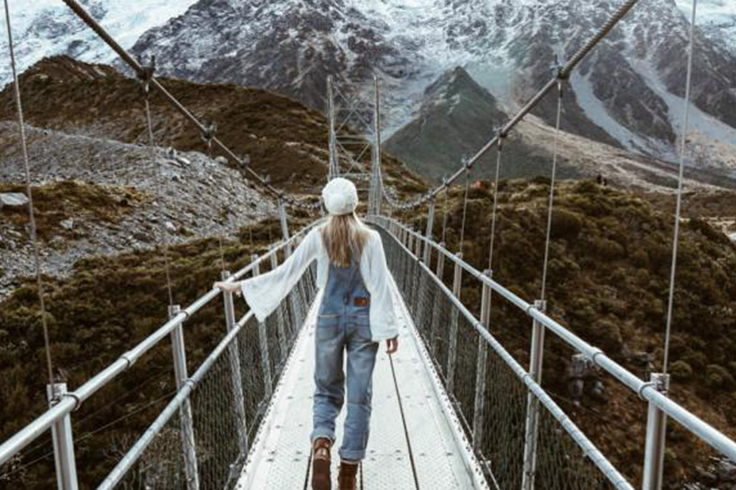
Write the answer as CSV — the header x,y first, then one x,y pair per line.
x,y
147,74
29,191
678,208
555,156
494,209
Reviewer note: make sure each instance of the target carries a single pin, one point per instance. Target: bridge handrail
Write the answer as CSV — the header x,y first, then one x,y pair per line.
x,y
709,434
135,452
72,400
588,447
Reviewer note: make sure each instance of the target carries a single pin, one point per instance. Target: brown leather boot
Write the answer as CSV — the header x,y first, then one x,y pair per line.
x,y
347,476
321,464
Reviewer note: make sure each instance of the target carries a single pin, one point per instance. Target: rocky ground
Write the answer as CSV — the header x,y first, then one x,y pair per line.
x,y
146,194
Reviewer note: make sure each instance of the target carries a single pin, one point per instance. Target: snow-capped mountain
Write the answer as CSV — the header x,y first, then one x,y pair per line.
x,y
628,93
717,19
44,28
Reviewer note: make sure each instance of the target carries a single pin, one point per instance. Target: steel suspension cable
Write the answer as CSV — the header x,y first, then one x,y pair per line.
x,y
678,207
29,191
555,155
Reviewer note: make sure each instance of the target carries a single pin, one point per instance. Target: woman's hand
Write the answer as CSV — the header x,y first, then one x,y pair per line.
x,y
392,345
229,287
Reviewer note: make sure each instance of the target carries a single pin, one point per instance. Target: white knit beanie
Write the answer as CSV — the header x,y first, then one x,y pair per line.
x,y
340,197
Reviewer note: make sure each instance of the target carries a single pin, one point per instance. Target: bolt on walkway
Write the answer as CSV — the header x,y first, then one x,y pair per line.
x,y
441,455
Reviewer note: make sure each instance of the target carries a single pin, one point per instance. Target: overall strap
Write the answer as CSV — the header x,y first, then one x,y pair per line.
x,y
355,272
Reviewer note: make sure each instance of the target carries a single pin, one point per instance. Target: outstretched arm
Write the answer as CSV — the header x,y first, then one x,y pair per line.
x,y
264,293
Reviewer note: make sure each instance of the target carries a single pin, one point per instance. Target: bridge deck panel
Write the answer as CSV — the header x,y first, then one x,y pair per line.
x,y
280,456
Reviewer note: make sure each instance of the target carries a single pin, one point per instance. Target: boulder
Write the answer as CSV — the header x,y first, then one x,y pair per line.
x,y
12,199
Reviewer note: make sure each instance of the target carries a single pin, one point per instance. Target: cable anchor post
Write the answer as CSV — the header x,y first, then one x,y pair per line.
x,y
428,234
280,318
454,323
436,307
283,222
656,437
263,340
236,378
189,449
480,380
63,442
532,407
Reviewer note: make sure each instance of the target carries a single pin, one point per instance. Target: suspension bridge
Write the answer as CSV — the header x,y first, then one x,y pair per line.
x,y
453,408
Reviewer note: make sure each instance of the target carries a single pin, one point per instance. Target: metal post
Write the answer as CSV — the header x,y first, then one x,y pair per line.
x,y
423,285
263,343
656,435
376,188
237,380
63,440
454,320
532,406
415,282
436,307
284,226
334,170
185,412
280,314
480,380
428,234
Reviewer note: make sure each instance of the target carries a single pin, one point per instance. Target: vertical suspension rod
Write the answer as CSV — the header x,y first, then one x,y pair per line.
x,y
29,192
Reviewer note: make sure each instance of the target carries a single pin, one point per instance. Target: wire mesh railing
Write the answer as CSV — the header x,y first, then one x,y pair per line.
x,y
505,416
213,414
241,372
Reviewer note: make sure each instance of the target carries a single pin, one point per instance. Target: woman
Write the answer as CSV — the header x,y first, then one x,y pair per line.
x,y
356,313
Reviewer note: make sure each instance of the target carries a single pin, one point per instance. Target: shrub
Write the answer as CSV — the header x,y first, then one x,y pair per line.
x,y
696,359
640,258
717,376
587,187
608,249
565,223
642,277
607,335
681,370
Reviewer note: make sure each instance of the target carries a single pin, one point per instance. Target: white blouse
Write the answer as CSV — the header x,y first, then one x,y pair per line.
x,y
264,293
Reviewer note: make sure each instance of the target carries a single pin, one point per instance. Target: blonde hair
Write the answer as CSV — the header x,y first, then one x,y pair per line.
x,y
343,235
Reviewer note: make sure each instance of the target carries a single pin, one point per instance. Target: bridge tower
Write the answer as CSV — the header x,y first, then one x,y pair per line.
x,y
354,132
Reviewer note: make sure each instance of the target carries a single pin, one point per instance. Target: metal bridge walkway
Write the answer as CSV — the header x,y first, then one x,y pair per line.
x,y
280,458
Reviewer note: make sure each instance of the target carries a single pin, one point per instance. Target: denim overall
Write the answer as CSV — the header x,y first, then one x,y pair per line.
x,y
344,325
